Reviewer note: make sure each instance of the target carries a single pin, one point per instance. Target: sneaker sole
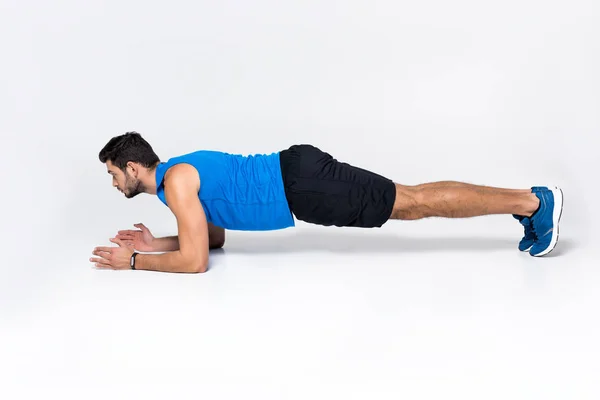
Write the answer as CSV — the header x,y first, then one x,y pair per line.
x,y
557,213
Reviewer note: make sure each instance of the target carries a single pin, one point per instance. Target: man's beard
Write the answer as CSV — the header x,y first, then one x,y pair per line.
x,y
133,187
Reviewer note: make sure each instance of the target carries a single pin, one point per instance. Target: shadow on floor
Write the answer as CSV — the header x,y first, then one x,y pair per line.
x,y
345,242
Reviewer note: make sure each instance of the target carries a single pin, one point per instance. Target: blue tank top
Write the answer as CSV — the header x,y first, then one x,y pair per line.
x,y
237,192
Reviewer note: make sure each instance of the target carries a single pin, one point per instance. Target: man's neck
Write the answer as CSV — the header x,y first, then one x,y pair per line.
x,y
149,182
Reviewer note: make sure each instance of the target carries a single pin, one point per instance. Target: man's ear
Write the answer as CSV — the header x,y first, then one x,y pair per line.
x,y
134,168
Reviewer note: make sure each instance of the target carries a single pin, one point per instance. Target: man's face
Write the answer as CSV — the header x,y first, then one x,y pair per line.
x,y
124,181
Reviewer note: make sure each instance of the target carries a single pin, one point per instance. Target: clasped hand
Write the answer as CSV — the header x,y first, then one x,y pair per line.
x,y
113,257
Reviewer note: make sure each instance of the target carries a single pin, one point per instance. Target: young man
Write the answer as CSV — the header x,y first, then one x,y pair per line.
x,y
210,191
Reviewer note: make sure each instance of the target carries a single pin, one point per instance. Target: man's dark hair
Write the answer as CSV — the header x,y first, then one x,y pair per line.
x,y
128,147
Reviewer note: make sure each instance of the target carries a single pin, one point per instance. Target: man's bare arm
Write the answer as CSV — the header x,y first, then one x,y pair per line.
x,y
216,240
182,184
216,236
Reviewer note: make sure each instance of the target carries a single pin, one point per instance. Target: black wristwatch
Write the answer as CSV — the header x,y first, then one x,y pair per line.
x,y
132,260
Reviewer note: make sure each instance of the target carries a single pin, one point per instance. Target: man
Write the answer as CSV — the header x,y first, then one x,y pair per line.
x,y
210,191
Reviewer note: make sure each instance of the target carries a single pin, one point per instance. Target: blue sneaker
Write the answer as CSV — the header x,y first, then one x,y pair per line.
x,y
544,222
529,237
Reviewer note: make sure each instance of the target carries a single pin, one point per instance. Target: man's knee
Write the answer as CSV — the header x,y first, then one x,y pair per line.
x,y
409,204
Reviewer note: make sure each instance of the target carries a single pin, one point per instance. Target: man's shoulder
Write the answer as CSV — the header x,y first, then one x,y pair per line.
x,y
181,172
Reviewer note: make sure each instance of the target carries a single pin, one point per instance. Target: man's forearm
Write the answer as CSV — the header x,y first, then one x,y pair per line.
x,y
169,243
168,262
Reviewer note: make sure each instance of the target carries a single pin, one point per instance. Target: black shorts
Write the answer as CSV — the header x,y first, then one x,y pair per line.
x,y
322,190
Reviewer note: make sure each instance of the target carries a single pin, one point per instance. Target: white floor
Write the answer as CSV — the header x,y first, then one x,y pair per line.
x,y
422,310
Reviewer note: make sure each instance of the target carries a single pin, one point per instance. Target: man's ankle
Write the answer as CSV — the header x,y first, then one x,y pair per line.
x,y
533,205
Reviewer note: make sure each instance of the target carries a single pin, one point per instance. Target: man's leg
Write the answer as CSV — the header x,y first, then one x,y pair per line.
x,y
460,200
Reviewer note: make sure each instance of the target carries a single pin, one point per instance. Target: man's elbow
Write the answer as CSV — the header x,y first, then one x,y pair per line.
x,y
200,269
217,244
197,265
216,241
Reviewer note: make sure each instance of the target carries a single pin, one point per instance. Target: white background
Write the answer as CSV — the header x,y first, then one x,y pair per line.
x,y
496,93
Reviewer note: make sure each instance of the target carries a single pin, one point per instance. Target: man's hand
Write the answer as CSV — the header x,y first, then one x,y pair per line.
x,y
113,257
141,240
